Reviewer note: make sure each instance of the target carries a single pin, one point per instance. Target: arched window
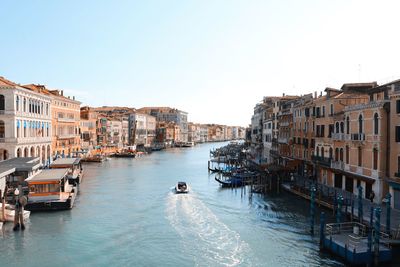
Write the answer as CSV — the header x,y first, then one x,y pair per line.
x,y
24,105
2,102
322,152
375,158
348,125
17,103
317,151
2,129
360,124
347,154
359,156
30,106
41,108
341,154
47,109
336,154
342,127
376,123
330,153
337,127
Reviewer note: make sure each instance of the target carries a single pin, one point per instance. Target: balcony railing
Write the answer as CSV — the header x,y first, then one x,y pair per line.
x,y
66,136
283,140
284,124
338,136
338,165
358,137
66,119
321,160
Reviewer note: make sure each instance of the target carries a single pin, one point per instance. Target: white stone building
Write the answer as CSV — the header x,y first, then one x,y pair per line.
x,y
25,122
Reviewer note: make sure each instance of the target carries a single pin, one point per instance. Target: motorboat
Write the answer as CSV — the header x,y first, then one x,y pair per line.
x,y
9,213
181,187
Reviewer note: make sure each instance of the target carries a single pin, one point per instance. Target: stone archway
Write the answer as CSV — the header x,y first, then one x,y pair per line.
x,y
48,152
43,154
26,152
32,152
19,153
37,152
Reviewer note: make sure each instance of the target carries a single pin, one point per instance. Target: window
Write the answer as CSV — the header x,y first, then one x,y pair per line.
x,y
347,154
337,127
24,105
322,152
331,109
360,124
376,123
397,106
341,154
317,151
322,130
2,129
323,111
342,127
359,156
17,103
330,153
348,125
375,158
337,154
2,102
397,133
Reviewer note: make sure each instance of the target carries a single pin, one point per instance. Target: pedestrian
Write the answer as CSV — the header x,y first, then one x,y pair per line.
x,y
372,196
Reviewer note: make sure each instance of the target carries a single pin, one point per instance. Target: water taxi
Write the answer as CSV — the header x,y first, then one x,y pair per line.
x,y
181,187
74,166
51,189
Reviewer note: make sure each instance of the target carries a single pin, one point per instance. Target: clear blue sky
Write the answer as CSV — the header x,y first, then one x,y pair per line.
x,y
215,59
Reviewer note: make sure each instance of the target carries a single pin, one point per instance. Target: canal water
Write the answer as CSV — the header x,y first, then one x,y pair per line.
x,y
127,215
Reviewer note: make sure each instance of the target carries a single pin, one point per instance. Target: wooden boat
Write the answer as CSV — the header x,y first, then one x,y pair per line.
x,y
51,189
9,213
230,182
181,188
74,166
124,155
95,158
184,144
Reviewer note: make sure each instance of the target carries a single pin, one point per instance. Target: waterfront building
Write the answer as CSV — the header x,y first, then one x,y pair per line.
x,y
142,129
394,142
303,140
88,128
25,122
65,115
193,132
203,133
167,114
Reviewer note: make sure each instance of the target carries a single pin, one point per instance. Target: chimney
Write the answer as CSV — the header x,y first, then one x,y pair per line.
x,y
315,94
283,94
62,92
73,97
320,93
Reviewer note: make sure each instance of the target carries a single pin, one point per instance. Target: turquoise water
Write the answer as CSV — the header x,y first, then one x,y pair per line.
x,y
127,215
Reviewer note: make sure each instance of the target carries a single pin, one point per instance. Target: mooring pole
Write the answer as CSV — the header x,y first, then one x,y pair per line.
x,y
388,212
377,235
360,206
339,209
322,230
312,209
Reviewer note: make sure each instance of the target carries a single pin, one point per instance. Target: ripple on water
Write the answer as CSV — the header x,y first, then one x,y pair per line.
x,y
209,241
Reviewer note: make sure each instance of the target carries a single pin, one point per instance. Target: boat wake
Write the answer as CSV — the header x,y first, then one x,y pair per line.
x,y
204,237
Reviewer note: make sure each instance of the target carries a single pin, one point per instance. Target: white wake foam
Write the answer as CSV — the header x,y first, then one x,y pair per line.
x,y
209,241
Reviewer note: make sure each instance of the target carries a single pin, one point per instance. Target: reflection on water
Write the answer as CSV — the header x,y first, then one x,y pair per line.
x,y
126,215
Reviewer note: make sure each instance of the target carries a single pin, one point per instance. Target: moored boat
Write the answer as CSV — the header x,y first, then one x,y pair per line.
x,y
9,213
95,158
230,182
181,187
74,166
51,190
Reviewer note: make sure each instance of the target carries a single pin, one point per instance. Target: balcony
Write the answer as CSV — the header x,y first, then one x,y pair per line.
x,y
321,161
283,140
338,136
66,136
357,137
65,119
284,124
338,165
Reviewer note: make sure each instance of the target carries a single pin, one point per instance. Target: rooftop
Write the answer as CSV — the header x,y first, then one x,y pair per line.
x,y
20,164
49,175
65,161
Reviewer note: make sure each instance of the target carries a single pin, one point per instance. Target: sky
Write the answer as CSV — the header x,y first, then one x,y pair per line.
x,y
212,58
